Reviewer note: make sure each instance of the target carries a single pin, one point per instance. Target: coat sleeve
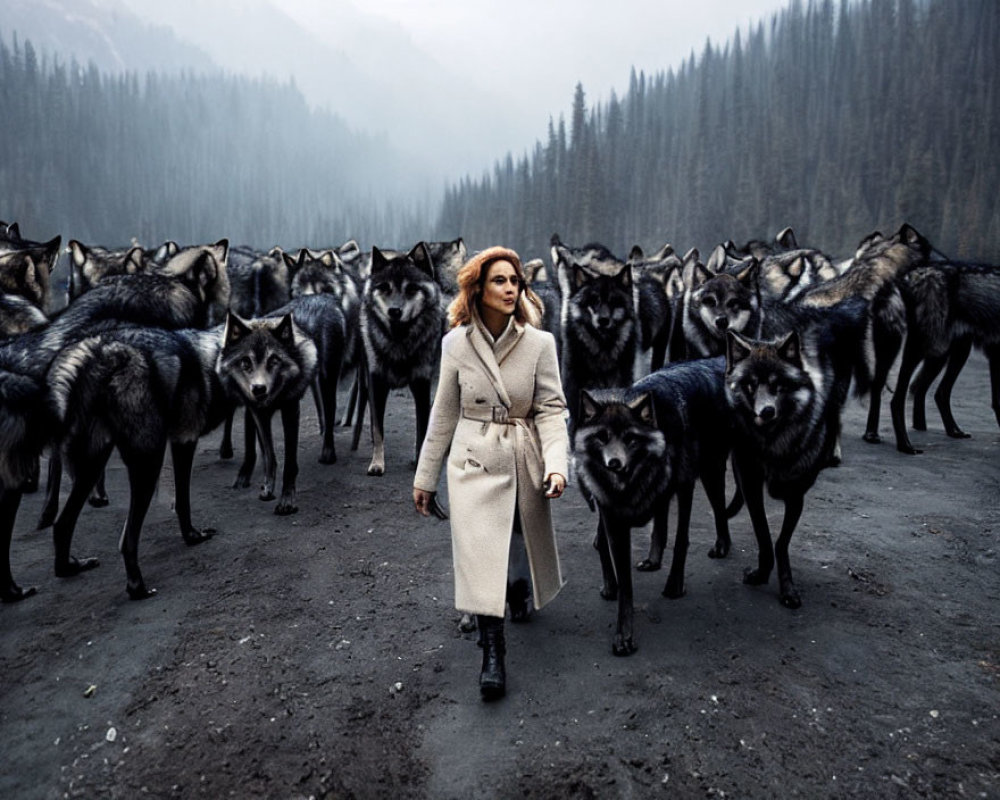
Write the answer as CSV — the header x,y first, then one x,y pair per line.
x,y
441,426
550,410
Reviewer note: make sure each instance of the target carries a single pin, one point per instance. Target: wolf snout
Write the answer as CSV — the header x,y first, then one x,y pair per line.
x,y
614,464
722,323
258,390
395,314
765,415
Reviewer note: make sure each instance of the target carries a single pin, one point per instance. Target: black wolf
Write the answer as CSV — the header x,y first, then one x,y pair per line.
x,y
26,266
135,389
952,307
786,396
402,322
258,282
599,331
637,448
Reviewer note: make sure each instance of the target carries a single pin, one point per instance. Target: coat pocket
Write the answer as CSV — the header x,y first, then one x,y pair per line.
x,y
472,465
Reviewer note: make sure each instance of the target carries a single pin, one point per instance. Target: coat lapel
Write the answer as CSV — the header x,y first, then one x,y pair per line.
x,y
489,359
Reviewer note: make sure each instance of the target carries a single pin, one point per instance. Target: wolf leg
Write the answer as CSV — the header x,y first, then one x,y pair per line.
x,y
958,354
886,345
262,424
912,356
752,484
609,587
143,474
51,507
788,594
619,537
657,539
226,445
675,580
352,401
420,388
10,592
359,421
993,356
328,399
99,495
378,395
922,381
290,471
86,468
182,455
249,451
713,479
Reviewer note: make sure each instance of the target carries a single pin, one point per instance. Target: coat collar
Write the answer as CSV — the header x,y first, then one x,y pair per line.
x,y
491,355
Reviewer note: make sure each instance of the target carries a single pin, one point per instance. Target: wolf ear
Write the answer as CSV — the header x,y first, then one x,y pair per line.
x,y
589,407
422,258
624,276
580,277
790,349
283,331
737,349
78,252
644,408
717,259
635,253
786,239
291,263
235,330
14,231
133,260
797,267
379,261
750,273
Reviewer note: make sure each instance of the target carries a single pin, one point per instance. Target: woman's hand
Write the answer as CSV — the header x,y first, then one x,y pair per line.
x,y
423,499
555,485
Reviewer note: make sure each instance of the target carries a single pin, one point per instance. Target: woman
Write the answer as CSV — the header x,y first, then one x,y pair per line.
x,y
499,418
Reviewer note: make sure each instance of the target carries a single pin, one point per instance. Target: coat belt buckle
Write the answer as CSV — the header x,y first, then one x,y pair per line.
x,y
501,415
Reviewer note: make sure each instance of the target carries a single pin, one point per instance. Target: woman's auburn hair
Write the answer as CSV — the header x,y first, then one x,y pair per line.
x,y
471,278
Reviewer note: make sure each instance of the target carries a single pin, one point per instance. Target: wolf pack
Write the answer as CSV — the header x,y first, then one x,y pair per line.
x,y
675,370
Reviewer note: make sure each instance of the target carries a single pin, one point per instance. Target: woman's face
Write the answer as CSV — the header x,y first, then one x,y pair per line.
x,y
501,288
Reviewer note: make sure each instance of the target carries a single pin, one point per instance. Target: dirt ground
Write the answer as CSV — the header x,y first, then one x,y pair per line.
x,y
318,655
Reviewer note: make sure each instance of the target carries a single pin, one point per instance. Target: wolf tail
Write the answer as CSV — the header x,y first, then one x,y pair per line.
x,y
24,426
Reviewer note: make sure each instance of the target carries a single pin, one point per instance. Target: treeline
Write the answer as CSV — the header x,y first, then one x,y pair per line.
x,y
105,158
836,119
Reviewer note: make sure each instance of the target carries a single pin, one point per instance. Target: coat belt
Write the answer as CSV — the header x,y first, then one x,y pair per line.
x,y
497,414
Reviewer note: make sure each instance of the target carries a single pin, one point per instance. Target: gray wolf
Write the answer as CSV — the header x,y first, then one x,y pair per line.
x,y
269,363
402,322
258,282
953,306
599,330
635,450
26,266
651,286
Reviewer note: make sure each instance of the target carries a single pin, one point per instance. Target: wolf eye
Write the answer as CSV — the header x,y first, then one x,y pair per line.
x,y
383,287
734,306
602,436
411,289
630,439
272,363
708,301
246,364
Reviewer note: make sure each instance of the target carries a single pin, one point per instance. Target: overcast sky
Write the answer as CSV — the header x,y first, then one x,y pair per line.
x,y
535,51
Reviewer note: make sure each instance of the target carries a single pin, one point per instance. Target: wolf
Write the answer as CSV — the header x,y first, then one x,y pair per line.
x,y
953,306
19,315
447,258
635,450
548,291
26,266
652,288
136,389
269,364
90,264
717,303
598,329
402,322
786,395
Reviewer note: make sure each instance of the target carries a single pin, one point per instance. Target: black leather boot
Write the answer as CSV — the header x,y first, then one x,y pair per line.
x,y
493,678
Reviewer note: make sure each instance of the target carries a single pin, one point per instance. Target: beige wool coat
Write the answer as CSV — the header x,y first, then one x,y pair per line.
x,y
499,419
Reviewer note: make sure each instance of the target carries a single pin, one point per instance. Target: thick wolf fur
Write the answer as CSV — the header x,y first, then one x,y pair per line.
x,y
599,331
26,424
726,301
269,363
135,389
19,315
550,294
952,307
637,448
786,396
448,258
258,282
402,322
654,308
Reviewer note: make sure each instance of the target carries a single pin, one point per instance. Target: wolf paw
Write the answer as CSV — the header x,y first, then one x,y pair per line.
x,y
721,550
623,645
609,592
242,482
909,449
376,470
98,501
790,598
958,433
328,457
674,589
266,495
872,438
754,577
196,536
285,508
647,565
74,566
139,592
12,593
